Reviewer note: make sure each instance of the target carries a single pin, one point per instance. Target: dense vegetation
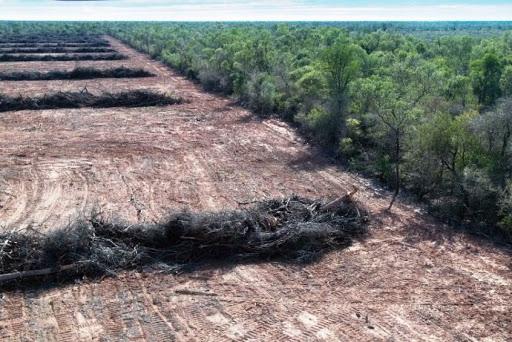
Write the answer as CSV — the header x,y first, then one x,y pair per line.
x,y
428,111
432,115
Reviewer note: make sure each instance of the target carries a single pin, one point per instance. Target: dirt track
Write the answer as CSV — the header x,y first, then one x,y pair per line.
x,y
411,280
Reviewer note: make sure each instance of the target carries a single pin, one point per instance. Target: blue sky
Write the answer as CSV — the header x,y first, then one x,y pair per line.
x,y
236,10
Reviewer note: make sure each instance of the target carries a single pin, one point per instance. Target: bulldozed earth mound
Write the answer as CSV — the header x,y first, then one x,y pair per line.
x,y
411,278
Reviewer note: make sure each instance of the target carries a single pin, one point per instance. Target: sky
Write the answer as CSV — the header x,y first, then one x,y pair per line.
x,y
256,10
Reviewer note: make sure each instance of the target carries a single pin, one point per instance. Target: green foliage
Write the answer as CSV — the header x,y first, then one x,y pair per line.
x,y
263,93
324,125
342,63
486,76
506,81
505,204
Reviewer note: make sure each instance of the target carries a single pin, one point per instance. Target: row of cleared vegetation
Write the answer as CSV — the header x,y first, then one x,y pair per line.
x,y
425,107
80,73
295,229
50,38
63,57
132,98
55,49
54,45
135,98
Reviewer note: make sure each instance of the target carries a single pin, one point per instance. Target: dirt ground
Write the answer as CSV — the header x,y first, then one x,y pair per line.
x,y
412,279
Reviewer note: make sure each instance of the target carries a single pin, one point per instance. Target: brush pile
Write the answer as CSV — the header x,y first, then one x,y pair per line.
x,y
52,38
54,44
54,49
294,229
66,57
75,74
133,98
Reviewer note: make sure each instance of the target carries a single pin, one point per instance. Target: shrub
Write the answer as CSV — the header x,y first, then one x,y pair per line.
x,y
482,196
505,204
323,124
262,94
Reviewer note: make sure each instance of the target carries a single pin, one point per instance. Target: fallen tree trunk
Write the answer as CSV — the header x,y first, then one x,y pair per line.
x,y
339,200
33,273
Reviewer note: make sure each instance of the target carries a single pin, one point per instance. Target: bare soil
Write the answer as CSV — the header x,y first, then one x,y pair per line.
x,y
412,279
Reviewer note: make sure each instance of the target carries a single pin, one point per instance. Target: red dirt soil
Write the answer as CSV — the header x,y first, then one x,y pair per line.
x,y
412,279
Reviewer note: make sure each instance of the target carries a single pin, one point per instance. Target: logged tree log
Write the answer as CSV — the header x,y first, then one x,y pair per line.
x,y
35,273
337,201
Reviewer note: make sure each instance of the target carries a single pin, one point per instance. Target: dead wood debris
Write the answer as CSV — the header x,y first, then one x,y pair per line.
x,y
57,39
55,49
78,73
293,228
38,44
63,57
133,98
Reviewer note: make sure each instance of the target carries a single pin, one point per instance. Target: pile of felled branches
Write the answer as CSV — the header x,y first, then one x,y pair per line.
x,y
54,49
132,98
64,57
292,228
79,73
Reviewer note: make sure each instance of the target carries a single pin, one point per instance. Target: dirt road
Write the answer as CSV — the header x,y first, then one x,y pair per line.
x,y
413,279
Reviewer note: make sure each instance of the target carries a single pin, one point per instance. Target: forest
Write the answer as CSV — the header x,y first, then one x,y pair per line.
x,y
425,108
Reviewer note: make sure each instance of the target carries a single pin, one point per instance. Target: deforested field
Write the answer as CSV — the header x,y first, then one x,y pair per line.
x,y
411,278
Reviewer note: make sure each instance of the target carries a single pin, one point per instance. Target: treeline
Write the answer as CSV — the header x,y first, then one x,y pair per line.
x,y
433,116
425,107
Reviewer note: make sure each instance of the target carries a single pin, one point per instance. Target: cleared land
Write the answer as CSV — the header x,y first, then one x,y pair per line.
x,y
413,279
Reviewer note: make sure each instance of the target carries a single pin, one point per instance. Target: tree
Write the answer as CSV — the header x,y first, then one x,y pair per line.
x,y
506,81
395,114
495,131
342,63
311,85
457,90
486,75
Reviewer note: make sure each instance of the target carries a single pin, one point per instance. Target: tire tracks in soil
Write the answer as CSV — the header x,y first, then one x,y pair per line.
x,y
205,155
